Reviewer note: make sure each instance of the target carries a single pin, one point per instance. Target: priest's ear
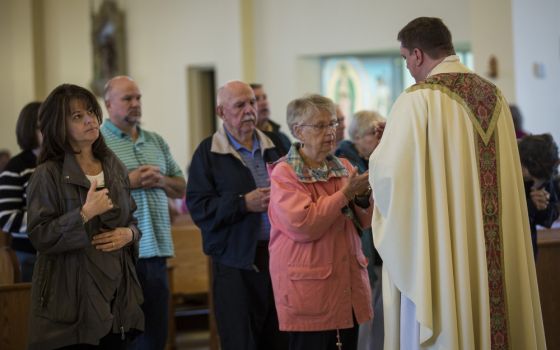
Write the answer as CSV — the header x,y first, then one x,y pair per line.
x,y
419,56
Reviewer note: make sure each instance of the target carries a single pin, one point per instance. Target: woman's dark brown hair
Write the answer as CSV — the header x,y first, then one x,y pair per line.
x,y
52,119
26,127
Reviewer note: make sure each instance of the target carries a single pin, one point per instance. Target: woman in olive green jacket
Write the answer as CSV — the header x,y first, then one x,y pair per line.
x,y
85,289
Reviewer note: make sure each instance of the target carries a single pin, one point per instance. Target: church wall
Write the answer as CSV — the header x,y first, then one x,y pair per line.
x,y
16,67
537,64
165,37
491,37
291,35
68,49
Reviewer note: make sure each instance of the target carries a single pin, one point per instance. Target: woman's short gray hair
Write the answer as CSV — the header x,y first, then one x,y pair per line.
x,y
362,122
307,106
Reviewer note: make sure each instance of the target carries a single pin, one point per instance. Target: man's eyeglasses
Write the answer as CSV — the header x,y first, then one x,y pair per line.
x,y
322,127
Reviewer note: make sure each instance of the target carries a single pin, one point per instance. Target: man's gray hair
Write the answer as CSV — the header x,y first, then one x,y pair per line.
x,y
223,92
109,85
362,122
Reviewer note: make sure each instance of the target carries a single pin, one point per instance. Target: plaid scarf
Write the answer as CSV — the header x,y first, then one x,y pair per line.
x,y
332,167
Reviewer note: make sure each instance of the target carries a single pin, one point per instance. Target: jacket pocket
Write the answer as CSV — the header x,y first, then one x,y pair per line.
x,y
58,292
362,260
307,290
367,279
214,242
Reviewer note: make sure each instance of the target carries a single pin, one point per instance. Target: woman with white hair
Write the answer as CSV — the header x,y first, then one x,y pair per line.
x,y
317,266
365,129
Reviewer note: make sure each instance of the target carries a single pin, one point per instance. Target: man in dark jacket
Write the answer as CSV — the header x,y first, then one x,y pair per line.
x,y
227,194
539,160
270,128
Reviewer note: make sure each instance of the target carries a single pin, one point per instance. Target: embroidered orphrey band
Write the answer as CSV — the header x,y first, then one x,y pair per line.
x,y
481,100
489,178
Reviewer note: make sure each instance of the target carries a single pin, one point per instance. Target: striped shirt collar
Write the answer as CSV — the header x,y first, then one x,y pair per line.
x,y
111,127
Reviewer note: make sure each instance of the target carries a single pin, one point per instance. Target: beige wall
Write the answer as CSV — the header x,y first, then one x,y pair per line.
x,y
167,36
16,67
163,39
491,35
68,49
537,41
291,35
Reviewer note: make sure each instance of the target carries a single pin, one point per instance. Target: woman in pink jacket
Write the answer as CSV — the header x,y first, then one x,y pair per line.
x,y
318,270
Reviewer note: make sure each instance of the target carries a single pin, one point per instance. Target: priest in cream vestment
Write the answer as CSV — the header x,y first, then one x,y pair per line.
x,y
450,220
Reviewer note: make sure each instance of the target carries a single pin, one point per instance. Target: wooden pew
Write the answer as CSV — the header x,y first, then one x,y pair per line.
x,y
9,265
15,300
191,271
190,264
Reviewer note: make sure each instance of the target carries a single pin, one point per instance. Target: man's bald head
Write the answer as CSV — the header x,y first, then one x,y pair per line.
x,y
122,99
236,106
225,91
119,79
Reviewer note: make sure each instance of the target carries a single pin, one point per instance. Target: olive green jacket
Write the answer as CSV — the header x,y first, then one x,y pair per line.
x,y
79,293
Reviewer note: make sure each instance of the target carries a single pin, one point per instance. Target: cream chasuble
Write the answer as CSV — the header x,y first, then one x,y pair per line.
x,y
450,219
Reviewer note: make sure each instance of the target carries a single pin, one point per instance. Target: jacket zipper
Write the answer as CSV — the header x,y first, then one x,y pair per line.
x,y
44,287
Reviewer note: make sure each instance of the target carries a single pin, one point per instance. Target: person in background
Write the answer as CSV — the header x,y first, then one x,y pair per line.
x,y
539,159
450,218
265,124
365,130
319,206
341,120
85,291
517,121
556,183
13,184
228,195
154,176
5,156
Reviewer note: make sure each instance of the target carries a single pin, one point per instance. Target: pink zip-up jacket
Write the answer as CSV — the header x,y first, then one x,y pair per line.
x,y
317,267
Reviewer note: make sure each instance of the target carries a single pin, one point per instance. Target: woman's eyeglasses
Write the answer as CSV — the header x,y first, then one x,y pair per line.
x,y
322,127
